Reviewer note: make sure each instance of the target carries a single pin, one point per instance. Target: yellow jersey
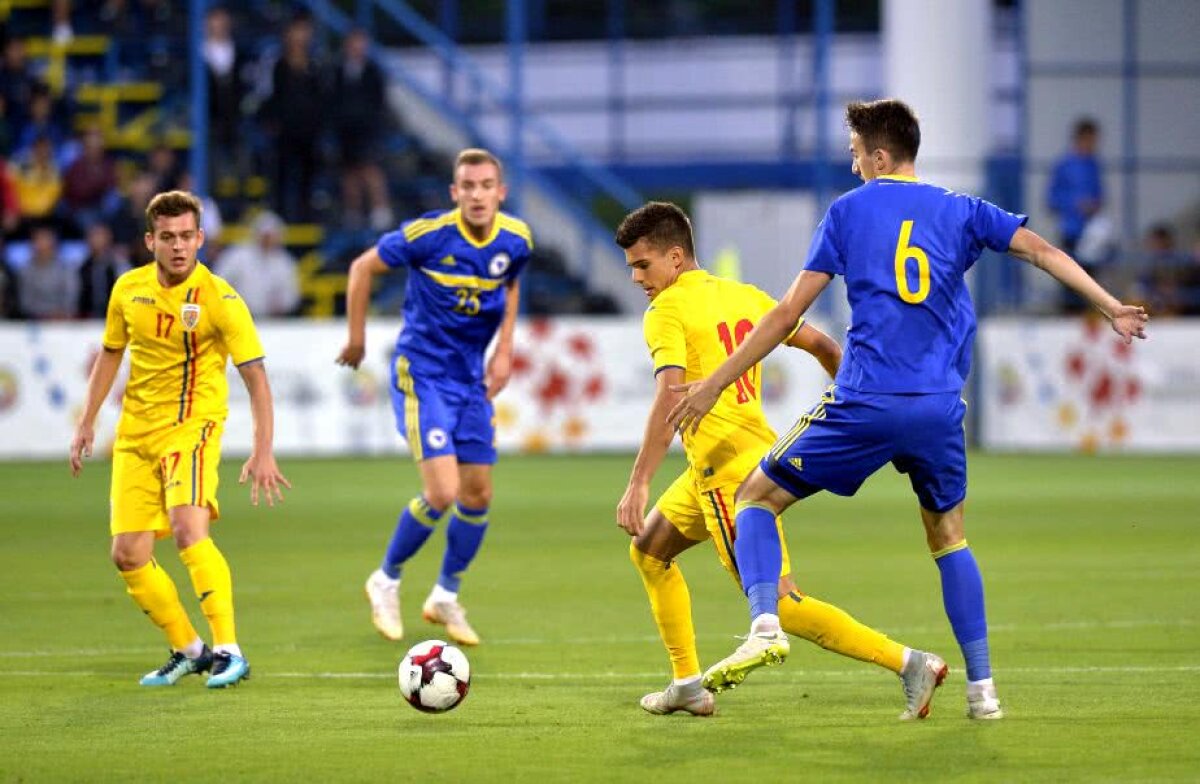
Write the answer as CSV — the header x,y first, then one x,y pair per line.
x,y
178,339
694,324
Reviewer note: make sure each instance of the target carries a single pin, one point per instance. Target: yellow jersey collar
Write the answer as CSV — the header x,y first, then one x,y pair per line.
x,y
465,230
897,177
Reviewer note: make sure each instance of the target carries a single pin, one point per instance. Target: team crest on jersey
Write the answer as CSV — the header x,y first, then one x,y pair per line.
x,y
436,438
499,264
190,316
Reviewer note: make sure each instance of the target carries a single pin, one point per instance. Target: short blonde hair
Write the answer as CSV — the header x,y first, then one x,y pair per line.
x,y
472,156
171,204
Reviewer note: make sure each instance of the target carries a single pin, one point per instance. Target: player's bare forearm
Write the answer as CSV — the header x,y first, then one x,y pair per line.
x,y
262,406
656,439
100,381
773,329
822,347
358,292
512,304
1029,246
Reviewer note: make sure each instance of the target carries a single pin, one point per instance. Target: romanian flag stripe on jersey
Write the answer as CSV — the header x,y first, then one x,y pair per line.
x,y
695,324
179,339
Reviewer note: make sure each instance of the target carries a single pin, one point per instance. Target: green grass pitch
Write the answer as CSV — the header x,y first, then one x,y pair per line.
x,y
1092,569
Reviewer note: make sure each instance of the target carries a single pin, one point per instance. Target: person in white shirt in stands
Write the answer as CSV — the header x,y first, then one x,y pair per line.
x,y
262,271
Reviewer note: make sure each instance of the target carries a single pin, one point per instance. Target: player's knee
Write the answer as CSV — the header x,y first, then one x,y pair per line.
x,y
642,561
126,559
440,498
476,497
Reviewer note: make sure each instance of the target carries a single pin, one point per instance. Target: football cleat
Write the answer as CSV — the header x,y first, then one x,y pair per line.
x,y
697,702
764,649
176,667
920,677
228,670
454,618
983,703
384,595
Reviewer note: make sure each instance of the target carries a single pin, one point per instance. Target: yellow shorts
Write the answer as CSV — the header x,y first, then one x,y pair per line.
x,y
159,471
697,515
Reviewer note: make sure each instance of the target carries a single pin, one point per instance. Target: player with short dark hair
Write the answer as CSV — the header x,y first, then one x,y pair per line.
x,y
181,323
693,322
462,292
904,247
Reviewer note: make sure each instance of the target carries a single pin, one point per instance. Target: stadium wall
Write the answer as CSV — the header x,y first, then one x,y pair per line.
x,y
585,385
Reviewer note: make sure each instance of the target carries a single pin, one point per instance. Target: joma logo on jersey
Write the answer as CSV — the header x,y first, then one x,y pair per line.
x,y
144,300
190,315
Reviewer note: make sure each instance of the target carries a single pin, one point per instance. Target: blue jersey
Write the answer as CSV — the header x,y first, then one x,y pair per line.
x,y
455,295
904,248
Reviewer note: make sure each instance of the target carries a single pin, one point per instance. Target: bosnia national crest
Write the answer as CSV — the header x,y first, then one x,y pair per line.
x,y
190,315
499,264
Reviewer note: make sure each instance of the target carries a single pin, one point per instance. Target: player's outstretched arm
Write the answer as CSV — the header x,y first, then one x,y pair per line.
x,y
104,372
1128,321
823,348
261,468
499,368
358,296
701,396
656,440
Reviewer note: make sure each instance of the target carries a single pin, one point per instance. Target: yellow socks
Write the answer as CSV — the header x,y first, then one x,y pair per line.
x,y
671,605
154,591
214,588
835,630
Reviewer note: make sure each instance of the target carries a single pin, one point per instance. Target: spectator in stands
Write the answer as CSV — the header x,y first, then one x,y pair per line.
x,y
47,288
99,272
1076,196
1165,271
61,31
6,129
16,83
8,288
89,184
129,221
42,123
38,183
360,119
163,164
223,64
292,118
262,271
10,208
1076,191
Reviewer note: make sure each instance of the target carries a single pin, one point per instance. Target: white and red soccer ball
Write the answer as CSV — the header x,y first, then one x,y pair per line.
x,y
434,676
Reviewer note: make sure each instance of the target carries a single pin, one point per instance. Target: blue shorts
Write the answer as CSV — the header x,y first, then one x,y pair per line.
x,y
443,417
850,435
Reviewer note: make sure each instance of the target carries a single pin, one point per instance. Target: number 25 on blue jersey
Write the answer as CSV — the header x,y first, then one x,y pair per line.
x,y
904,252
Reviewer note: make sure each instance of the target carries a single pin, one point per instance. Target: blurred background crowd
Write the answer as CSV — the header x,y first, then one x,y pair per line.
x,y
309,157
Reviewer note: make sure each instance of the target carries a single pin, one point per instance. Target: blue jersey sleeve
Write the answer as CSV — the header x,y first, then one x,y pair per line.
x,y
396,251
992,227
520,259
825,255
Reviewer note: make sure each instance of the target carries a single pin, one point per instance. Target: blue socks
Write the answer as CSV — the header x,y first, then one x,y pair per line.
x,y
415,525
962,595
464,536
759,558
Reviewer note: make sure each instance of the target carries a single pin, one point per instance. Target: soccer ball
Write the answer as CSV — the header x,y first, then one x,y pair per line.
x,y
434,676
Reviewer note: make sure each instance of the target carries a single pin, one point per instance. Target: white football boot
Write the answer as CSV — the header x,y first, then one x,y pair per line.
x,y
695,701
384,594
920,677
982,702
